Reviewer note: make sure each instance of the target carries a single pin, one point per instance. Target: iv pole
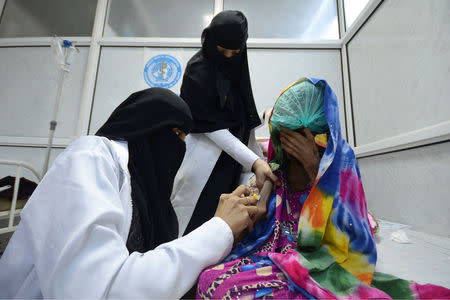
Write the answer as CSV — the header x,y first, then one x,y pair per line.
x,y
64,51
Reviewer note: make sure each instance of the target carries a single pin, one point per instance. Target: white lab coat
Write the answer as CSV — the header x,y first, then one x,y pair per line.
x,y
71,241
202,152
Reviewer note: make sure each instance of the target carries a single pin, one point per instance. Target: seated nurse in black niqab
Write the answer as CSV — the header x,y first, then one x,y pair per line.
x,y
216,86
100,224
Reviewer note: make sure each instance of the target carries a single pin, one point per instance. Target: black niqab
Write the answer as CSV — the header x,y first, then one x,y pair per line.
x,y
217,88
145,120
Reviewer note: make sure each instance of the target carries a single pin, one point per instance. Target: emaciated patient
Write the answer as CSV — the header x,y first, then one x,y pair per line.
x,y
316,241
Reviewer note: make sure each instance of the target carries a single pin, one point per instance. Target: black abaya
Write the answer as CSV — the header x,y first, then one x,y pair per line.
x,y
219,94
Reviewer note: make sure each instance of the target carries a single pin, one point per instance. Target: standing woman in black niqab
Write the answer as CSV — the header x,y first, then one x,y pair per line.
x,y
216,85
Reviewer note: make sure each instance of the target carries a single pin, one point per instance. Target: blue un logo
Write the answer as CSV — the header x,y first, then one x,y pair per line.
x,y
162,71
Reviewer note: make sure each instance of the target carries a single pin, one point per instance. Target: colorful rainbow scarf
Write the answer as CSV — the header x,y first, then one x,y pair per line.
x,y
336,253
334,230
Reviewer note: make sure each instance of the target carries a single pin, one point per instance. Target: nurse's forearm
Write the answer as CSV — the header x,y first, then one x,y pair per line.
x,y
233,147
172,268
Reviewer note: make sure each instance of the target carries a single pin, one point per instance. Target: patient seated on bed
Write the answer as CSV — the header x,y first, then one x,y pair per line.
x,y
316,241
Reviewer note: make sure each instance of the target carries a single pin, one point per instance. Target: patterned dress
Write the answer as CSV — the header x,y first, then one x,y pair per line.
x,y
253,274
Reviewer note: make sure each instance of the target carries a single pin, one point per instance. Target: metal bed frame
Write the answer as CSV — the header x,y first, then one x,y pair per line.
x,y
13,212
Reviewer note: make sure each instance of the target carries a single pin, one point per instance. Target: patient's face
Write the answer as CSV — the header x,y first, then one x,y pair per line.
x,y
300,132
297,176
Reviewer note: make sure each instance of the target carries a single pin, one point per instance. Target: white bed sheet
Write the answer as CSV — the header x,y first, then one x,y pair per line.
x,y
425,260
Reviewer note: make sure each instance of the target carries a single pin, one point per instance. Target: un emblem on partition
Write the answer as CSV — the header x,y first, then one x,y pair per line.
x,y
162,71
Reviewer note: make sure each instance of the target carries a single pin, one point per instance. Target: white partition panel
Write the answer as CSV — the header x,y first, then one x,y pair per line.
x,y
305,20
121,73
25,18
400,69
158,18
28,82
273,70
32,156
410,187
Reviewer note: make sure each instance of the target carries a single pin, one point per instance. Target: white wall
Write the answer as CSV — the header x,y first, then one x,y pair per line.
x,y
28,83
410,187
399,68
272,70
121,73
25,18
305,19
157,18
399,74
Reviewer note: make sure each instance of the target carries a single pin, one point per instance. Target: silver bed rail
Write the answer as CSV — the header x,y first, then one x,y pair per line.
x,y
13,211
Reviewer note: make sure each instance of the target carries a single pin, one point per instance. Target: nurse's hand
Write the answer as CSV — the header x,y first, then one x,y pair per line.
x,y
237,210
262,172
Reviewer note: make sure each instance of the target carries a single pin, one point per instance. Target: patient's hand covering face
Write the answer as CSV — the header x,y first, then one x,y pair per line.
x,y
301,105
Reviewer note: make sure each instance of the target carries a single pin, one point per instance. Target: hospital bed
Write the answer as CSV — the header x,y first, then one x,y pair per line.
x,y
9,209
423,257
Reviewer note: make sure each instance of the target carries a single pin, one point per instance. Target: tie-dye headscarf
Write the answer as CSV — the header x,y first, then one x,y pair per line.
x,y
299,105
333,224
